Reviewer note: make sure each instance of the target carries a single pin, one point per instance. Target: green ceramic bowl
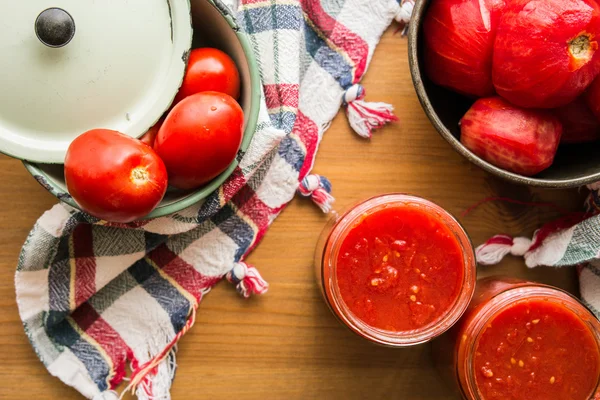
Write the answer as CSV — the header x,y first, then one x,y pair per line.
x,y
214,26
574,165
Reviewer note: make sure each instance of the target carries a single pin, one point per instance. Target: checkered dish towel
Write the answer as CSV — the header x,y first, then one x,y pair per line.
x,y
94,295
573,240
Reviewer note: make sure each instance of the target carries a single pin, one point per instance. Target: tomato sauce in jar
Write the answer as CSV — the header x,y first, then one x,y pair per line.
x,y
396,269
523,340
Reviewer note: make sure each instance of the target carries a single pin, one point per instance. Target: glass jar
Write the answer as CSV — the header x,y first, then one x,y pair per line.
x,y
524,317
327,259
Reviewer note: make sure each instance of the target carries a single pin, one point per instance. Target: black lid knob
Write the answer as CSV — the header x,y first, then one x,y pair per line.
x,y
55,27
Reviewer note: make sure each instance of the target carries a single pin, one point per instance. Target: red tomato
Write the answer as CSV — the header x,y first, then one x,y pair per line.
x,y
545,53
592,97
114,177
200,138
579,123
209,70
150,135
520,140
459,37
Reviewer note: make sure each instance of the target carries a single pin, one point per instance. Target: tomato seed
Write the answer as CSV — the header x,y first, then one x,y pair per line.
x,y
488,373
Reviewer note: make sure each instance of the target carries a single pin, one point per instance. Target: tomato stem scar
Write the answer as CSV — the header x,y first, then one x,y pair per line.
x,y
139,175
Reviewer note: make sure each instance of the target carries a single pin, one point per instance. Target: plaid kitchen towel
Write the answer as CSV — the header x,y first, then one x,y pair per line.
x,y
94,295
573,240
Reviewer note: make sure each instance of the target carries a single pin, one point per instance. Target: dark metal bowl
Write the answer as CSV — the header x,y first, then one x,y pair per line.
x,y
574,165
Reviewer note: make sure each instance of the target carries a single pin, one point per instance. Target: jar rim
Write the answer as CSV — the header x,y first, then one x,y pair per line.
x,y
523,291
395,338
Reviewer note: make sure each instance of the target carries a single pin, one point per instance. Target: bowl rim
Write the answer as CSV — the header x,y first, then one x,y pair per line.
x,y
417,78
205,191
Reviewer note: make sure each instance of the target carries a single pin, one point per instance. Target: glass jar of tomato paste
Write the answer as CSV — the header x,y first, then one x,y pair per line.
x,y
396,269
522,340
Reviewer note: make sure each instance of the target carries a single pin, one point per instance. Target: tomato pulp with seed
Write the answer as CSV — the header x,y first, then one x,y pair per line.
x,y
400,268
537,347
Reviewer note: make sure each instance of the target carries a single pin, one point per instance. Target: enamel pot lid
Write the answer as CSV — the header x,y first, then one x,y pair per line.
x,y
69,66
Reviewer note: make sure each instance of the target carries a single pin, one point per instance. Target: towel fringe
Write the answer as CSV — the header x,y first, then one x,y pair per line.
x,y
141,375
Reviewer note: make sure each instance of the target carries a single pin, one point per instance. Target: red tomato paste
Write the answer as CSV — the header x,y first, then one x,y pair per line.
x,y
536,350
400,268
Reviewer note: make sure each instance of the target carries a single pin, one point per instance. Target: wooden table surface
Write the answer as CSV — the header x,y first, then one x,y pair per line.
x,y
286,344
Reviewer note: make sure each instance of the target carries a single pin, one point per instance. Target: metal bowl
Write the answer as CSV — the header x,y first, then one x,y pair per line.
x,y
574,165
214,27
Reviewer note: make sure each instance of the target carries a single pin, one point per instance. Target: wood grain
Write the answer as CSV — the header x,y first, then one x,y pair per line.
x,y
287,345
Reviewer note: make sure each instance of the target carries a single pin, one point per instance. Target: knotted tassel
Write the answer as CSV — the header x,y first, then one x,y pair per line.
x,y
247,280
592,203
364,116
318,188
499,246
404,14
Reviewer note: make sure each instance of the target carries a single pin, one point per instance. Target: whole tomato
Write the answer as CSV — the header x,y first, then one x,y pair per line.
x,y
592,97
150,135
519,140
545,53
200,138
459,38
114,177
209,70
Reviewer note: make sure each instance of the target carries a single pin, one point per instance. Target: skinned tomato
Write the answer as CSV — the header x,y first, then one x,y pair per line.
x,y
579,123
592,97
459,38
209,70
519,140
114,177
200,138
545,53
